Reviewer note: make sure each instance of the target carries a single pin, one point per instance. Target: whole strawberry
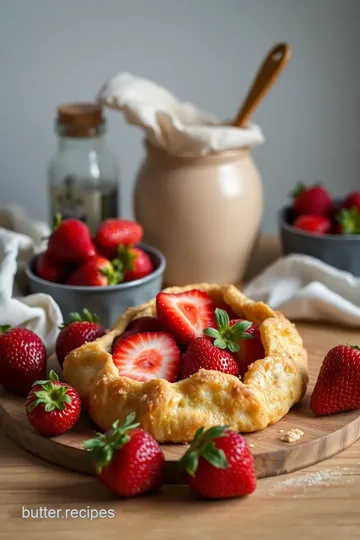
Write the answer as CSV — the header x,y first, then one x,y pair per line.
x,y
337,387
70,241
133,262
22,359
219,464
77,331
314,201
49,269
127,459
95,272
313,224
202,354
115,232
52,407
241,337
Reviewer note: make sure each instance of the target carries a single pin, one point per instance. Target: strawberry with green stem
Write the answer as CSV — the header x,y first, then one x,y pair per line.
x,y
52,407
219,464
70,241
133,262
80,328
96,272
313,200
239,336
127,459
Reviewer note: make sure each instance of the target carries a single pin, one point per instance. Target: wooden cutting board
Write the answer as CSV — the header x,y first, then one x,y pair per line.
x,y
323,437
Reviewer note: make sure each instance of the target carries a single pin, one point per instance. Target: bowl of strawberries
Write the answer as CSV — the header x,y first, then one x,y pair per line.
x,y
323,227
106,273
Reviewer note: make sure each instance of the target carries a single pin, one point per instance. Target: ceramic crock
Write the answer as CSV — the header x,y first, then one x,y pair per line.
x,y
203,213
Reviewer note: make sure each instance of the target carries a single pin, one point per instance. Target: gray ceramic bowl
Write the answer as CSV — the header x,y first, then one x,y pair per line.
x,y
107,302
342,252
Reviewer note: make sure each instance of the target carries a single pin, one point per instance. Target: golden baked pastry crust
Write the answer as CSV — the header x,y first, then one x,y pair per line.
x,y
172,412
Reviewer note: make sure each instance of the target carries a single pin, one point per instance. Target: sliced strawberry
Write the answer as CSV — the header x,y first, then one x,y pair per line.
x,y
185,315
142,324
148,355
123,336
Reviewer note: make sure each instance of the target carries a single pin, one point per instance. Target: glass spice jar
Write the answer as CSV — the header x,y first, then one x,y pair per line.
x,y
83,175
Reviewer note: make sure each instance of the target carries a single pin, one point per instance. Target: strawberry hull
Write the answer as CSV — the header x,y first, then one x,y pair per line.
x,y
106,302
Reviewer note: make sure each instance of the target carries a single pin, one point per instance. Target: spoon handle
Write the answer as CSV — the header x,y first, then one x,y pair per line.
x,y
270,69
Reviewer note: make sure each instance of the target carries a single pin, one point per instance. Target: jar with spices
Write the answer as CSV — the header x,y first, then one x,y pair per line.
x,y
83,175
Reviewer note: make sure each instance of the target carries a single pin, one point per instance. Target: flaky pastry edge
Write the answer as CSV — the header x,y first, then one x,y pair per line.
x,y
172,412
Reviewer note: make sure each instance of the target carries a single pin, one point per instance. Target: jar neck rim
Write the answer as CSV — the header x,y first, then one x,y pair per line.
x,y
66,131
216,157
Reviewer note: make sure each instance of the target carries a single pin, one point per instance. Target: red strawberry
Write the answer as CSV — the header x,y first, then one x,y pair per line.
x,y
202,354
115,232
74,333
52,407
142,324
314,200
145,324
49,269
96,272
352,201
128,460
348,221
227,308
313,224
241,337
219,464
22,359
149,355
134,263
185,315
70,241
337,387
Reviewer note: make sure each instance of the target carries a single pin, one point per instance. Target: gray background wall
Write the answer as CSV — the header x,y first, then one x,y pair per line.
x,y
206,51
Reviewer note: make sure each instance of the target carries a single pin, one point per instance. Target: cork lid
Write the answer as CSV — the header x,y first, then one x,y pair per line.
x,y
80,119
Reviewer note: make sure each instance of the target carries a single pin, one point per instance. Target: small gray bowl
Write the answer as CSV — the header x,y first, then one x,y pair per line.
x,y
107,302
340,251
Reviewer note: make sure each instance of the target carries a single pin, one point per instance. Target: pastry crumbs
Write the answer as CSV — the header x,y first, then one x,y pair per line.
x,y
292,435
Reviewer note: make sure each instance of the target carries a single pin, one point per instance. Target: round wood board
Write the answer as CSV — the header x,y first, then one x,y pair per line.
x,y
323,436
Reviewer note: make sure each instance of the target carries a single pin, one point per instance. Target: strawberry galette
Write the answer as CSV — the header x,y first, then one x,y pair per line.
x,y
195,356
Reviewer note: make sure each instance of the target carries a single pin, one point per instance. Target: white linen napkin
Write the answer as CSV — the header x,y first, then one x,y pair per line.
x,y
20,239
180,128
305,288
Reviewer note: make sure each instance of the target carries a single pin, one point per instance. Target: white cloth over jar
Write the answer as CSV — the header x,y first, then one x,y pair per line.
x,y
178,127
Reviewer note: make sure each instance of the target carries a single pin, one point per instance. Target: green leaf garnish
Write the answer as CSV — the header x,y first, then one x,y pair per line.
x,y
51,395
226,336
4,328
203,446
354,346
86,316
102,448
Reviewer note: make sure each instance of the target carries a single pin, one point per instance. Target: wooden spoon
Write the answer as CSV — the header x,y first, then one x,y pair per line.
x,y
269,71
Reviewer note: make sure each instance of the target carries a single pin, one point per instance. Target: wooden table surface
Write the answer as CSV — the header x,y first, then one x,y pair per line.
x,y
319,502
